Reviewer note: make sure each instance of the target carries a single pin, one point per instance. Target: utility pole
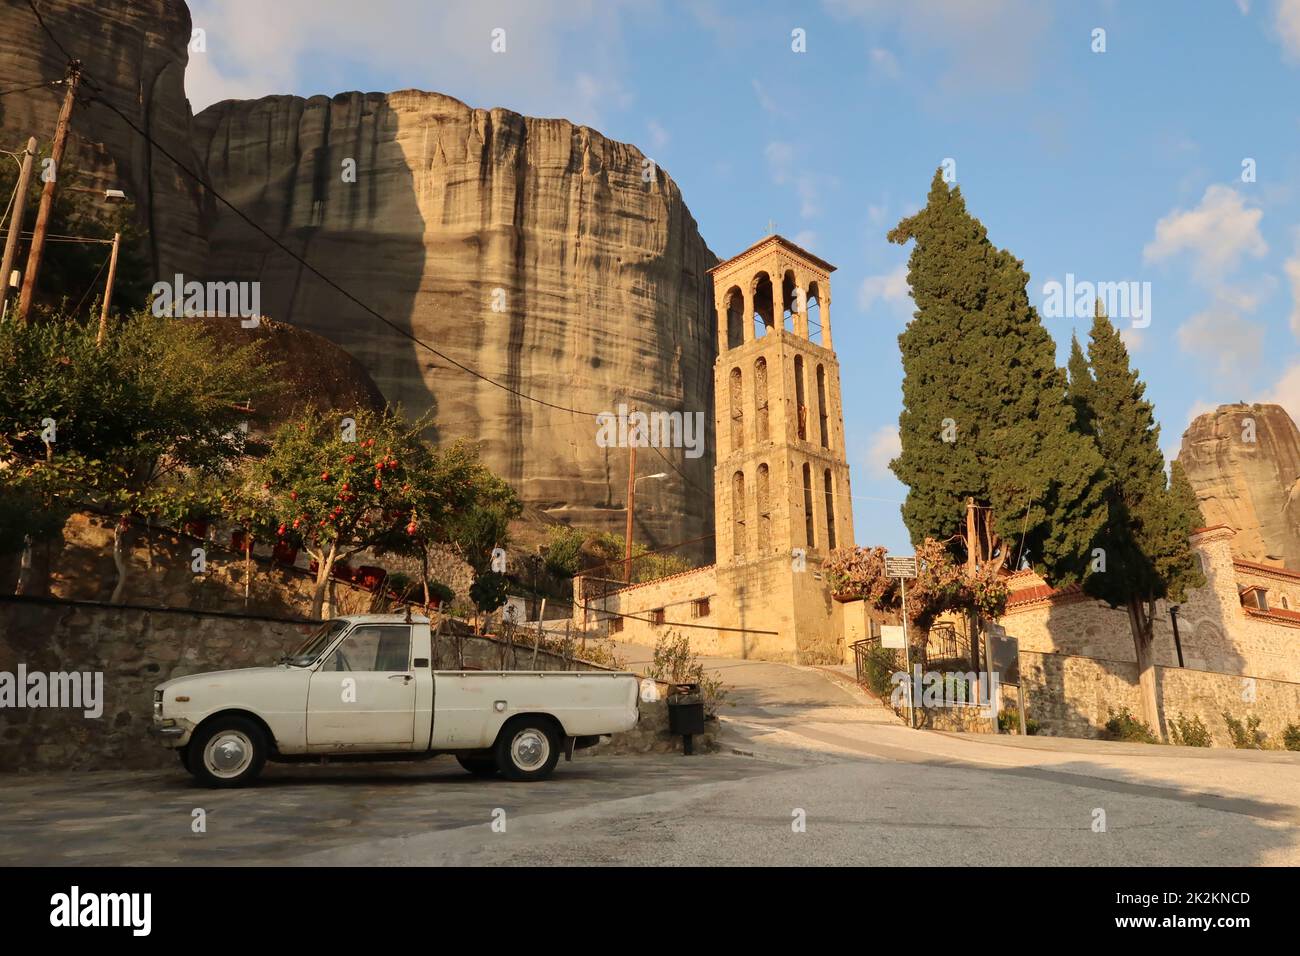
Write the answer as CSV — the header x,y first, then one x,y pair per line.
x,y
16,223
103,318
631,495
970,576
71,80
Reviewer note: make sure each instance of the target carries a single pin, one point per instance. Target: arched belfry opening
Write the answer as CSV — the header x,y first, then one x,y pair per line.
x,y
765,313
790,302
814,313
734,305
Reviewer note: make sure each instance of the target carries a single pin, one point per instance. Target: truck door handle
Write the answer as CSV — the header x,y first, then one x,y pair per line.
x,y
405,677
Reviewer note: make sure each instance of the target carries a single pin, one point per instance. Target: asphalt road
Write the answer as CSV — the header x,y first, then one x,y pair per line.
x,y
813,772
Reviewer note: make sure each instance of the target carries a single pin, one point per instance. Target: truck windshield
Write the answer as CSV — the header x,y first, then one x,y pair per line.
x,y
315,645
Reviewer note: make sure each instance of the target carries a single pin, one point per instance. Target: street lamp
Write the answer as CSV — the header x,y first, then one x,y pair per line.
x,y
627,537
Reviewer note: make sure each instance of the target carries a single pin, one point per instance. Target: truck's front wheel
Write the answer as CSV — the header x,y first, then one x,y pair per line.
x,y
527,748
227,752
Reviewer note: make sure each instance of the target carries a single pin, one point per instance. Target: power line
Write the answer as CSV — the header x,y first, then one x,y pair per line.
x,y
34,86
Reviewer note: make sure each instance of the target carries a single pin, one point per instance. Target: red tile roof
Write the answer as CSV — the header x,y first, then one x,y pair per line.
x,y
1277,614
1045,593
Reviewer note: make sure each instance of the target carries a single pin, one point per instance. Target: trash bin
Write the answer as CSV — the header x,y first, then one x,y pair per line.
x,y
686,714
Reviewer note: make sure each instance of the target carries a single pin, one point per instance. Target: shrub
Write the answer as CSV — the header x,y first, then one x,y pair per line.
x,y
881,665
1189,732
1124,726
675,663
1244,736
1009,722
1291,737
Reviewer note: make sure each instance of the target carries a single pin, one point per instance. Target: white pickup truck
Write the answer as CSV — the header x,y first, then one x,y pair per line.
x,y
363,687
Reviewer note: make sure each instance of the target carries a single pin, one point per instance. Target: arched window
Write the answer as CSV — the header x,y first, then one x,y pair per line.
x,y
830,509
810,539
737,392
765,308
764,510
821,405
738,513
735,318
800,400
760,399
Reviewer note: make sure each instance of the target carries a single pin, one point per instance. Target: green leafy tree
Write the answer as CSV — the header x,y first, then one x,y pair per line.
x,y
994,464
1142,553
128,426
335,492
985,416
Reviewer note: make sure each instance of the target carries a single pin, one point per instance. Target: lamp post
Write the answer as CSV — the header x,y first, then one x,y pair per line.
x,y
631,498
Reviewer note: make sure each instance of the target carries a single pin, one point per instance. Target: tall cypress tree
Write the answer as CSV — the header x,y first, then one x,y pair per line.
x,y
1080,385
1144,550
986,418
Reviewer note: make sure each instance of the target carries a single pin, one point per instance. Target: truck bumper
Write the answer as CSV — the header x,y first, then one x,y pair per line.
x,y
174,736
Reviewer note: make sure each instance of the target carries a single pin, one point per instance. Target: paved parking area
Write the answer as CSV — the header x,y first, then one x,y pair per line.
x,y
147,817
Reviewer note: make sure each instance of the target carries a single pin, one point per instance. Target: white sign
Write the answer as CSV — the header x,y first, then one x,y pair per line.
x,y
900,567
891,635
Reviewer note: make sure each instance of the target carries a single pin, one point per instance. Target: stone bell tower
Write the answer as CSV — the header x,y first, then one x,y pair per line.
x,y
781,485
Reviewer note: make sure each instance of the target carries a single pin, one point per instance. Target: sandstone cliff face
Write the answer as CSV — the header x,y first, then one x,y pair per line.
x,y
529,250
136,54
1252,486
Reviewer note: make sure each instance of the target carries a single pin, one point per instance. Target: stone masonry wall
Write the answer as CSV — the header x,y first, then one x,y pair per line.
x,y
1073,696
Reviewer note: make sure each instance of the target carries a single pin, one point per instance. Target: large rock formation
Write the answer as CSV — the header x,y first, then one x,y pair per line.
x,y
553,261
533,251
134,57
1243,461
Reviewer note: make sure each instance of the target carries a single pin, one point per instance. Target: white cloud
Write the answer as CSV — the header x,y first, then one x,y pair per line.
x,y
885,447
783,168
1221,334
1216,233
780,161
256,48
1133,339
1243,6
806,238
765,102
990,45
1287,24
890,289
1291,267
1287,392
885,63
659,137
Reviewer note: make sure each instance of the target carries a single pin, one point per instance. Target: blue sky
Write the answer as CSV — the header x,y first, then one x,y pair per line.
x,y
1122,165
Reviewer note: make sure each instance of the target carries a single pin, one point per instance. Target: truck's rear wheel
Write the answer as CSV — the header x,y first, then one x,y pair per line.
x,y
227,752
527,748
479,766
